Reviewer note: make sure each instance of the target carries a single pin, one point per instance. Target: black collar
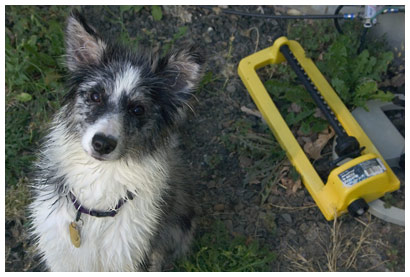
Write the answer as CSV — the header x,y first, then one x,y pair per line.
x,y
82,210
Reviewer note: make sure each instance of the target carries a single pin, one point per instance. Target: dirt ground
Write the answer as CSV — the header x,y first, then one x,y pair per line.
x,y
290,224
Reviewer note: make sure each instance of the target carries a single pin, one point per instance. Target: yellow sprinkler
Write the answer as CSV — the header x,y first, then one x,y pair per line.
x,y
364,175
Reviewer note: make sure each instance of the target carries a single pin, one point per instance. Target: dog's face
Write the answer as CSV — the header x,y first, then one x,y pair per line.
x,y
123,103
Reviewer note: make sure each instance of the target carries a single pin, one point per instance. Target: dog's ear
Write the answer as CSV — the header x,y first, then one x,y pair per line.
x,y
181,71
83,45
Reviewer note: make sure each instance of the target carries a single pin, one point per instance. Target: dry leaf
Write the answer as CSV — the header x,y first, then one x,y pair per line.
x,y
314,149
227,124
306,139
254,181
260,9
284,171
217,10
294,108
219,207
248,240
398,81
286,182
319,114
251,112
297,185
245,162
293,12
291,186
275,190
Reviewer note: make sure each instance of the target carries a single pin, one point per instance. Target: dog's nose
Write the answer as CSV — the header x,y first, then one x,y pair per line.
x,y
103,144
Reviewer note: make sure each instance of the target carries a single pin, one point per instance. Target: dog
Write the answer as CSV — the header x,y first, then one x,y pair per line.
x,y
109,189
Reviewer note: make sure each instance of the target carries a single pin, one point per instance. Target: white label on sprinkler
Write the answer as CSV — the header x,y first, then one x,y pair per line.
x,y
361,172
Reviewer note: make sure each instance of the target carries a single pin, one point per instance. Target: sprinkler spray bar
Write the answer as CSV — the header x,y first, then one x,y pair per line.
x,y
347,146
313,91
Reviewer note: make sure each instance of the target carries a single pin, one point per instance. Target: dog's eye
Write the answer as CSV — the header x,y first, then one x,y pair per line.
x,y
137,109
95,97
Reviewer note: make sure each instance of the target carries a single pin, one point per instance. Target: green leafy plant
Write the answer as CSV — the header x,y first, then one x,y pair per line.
x,y
258,145
156,12
118,19
354,76
178,35
217,251
34,47
285,93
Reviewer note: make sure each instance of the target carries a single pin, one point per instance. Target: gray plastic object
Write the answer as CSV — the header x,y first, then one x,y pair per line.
x,y
393,215
381,130
390,143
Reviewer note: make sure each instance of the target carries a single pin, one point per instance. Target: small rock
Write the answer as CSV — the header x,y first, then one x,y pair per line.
x,y
250,229
256,199
304,227
207,39
211,184
231,88
245,162
229,225
240,229
227,124
292,232
198,210
287,217
268,221
219,207
398,80
312,234
293,12
238,207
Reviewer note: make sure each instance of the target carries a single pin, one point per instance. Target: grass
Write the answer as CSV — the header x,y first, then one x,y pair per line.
x,y
33,92
34,73
256,142
342,249
216,250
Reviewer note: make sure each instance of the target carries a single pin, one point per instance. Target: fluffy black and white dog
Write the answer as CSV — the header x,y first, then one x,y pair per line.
x,y
109,193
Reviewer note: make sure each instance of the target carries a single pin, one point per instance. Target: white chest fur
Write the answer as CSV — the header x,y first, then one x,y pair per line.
x,y
110,243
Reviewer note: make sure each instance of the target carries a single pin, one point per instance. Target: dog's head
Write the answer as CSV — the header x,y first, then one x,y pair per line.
x,y
121,102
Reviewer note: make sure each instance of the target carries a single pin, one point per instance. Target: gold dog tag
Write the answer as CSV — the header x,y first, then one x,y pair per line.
x,y
75,234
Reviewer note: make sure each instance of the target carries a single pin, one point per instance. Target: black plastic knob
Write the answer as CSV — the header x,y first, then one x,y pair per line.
x,y
358,207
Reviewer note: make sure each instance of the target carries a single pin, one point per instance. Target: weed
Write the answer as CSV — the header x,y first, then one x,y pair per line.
x,y
260,147
206,80
156,12
213,160
217,250
285,93
342,249
178,35
118,19
393,255
354,76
